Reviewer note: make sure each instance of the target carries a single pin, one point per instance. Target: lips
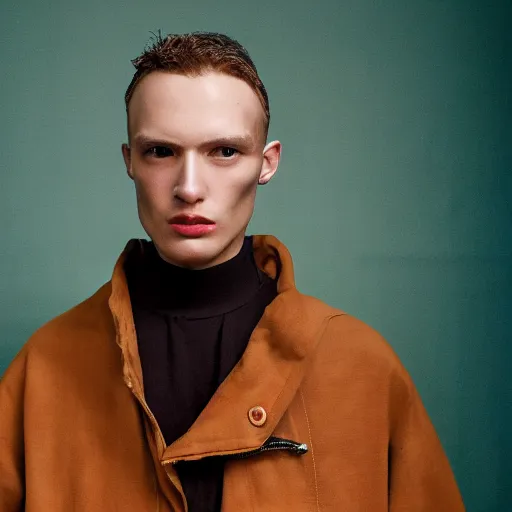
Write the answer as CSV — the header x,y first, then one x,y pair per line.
x,y
192,225
190,220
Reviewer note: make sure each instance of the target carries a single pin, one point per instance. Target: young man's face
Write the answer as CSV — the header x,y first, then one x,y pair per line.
x,y
197,153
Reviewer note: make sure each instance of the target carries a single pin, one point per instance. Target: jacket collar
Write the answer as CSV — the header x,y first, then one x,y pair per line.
x,y
268,374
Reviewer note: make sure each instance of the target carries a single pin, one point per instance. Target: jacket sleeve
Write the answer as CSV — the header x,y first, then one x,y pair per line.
x,y
12,478
420,476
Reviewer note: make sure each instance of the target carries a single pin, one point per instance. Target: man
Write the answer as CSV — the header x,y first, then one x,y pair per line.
x,y
199,378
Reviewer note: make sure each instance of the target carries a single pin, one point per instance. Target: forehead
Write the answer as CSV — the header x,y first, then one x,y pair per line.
x,y
194,108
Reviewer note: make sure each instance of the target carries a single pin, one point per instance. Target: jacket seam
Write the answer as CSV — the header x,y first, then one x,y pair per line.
x,y
249,487
315,476
315,479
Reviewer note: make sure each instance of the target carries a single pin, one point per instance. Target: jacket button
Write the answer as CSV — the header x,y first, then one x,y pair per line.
x,y
257,416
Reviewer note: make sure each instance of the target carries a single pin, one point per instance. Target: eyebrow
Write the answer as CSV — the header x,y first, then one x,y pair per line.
x,y
243,141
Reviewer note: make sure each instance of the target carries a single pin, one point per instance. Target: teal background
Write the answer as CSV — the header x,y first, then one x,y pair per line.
x,y
393,195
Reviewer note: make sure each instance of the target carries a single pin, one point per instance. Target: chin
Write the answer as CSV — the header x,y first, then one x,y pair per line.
x,y
192,252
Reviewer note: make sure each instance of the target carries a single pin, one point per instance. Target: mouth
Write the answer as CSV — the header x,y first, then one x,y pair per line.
x,y
190,220
192,226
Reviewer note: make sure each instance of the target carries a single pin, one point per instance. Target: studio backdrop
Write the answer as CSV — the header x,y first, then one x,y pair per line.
x,y
393,194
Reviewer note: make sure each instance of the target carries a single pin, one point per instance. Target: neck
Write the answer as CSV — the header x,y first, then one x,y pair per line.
x,y
198,292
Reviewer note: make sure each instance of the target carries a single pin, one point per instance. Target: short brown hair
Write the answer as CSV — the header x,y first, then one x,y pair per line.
x,y
195,53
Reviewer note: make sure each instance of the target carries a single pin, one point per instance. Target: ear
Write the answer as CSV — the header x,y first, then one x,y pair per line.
x,y
127,156
271,156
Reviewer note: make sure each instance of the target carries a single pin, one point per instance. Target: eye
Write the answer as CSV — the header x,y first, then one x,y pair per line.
x,y
159,152
225,152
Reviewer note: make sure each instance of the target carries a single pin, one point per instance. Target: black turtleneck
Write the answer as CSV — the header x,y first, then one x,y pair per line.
x,y
192,328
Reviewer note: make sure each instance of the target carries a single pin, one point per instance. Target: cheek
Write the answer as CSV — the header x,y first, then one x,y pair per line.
x,y
151,193
240,195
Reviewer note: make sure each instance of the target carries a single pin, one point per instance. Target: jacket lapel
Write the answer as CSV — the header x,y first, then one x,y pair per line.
x,y
268,375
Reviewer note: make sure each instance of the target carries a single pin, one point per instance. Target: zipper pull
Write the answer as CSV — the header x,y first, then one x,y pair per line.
x,y
301,449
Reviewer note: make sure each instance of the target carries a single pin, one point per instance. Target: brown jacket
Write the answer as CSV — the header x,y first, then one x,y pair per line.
x,y
77,435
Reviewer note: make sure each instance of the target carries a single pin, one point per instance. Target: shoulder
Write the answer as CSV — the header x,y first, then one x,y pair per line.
x,y
353,368
351,349
349,334
56,340
342,333
92,315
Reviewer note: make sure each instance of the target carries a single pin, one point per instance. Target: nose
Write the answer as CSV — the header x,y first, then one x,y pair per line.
x,y
189,188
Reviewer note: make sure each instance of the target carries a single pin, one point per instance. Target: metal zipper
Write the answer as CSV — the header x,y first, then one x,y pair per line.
x,y
272,444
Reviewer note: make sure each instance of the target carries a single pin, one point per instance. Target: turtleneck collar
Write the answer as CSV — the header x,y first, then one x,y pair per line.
x,y
156,284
